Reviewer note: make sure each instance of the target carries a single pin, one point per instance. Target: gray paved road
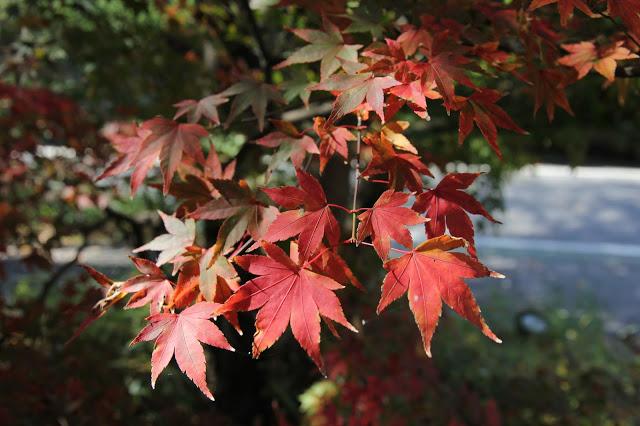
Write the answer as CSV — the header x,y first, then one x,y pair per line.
x,y
569,238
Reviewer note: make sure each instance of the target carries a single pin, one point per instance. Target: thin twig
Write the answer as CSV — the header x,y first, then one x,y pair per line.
x,y
338,206
266,59
356,181
391,248
242,248
324,250
49,284
624,30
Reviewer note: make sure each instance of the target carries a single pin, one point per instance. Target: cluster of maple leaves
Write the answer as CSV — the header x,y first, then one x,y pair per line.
x,y
435,60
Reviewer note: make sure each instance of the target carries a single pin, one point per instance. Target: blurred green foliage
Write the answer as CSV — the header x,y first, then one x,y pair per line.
x,y
574,373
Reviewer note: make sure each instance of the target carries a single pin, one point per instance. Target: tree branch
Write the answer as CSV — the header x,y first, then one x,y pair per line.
x,y
356,181
53,279
621,27
266,59
628,69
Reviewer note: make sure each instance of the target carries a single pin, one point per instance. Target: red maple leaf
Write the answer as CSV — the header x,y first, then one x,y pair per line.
x,y
195,110
291,143
317,220
326,46
112,295
444,67
187,286
252,93
196,188
481,109
328,262
242,212
333,140
446,206
627,11
386,220
218,280
565,8
181,334
168,140
354,89
150,287
126,139
413,37
286,293
585,56
403,169
414,95
431,273
549,90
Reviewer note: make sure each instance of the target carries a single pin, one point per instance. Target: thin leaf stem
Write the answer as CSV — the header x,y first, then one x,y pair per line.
x,y
356,181
241,248
343,208
265,56
324,250
392,248
624,30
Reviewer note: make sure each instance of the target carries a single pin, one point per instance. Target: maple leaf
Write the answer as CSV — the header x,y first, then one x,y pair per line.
x,y
317,220
585,56
490,52
192,191
481,109
548,89
403,169
296,86
413,94
565,8
391,133
291,143
211,266
389,59
627,11
328,262
333,140
112,295
242,212
413,37
431,273
251,93
326,46
218,280
446,206
126,139
150,287
386,220
187,289
181,335
104,281
444,67
180,236
195,187
354,89
206,107
213,167
167,140
286,294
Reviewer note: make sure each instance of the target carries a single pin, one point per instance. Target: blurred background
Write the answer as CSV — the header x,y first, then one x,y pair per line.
x,y
568,195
